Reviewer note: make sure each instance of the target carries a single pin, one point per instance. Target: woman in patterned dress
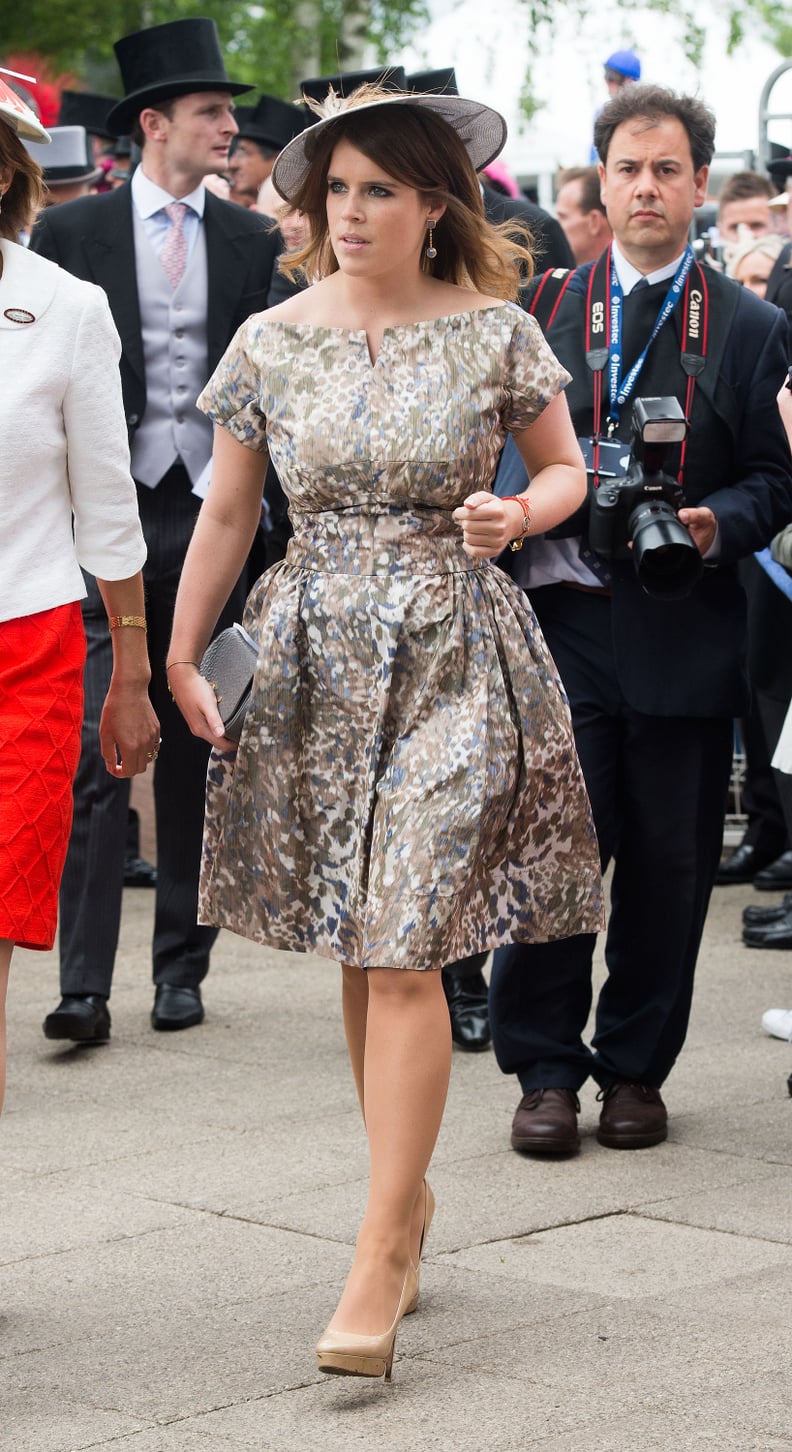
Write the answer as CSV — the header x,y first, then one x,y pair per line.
x,y
406,790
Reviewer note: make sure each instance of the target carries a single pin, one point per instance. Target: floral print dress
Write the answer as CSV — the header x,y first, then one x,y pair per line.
x,y
406,790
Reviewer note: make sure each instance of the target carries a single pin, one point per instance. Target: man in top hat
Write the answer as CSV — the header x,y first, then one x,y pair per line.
x,y
182,269
264,130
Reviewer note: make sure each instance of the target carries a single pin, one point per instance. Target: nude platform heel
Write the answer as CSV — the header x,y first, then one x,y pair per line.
x,y
343,1353
429,1210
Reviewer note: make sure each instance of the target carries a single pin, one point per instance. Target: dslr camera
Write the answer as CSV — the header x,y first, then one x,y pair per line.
x,y
635,516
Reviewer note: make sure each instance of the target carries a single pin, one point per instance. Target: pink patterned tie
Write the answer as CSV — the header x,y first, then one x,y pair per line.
x,y
174,249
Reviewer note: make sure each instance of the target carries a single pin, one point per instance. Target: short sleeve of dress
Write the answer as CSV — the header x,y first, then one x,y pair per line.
x,y
232,397
533,374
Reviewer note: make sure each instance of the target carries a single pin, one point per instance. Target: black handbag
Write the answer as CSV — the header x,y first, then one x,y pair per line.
x,y
228,666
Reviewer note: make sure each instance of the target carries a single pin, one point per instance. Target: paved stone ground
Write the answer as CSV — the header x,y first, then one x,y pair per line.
x,y
178,1211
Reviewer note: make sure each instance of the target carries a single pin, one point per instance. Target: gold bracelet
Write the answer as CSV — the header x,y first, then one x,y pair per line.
x,y
517,544
170,668
116,621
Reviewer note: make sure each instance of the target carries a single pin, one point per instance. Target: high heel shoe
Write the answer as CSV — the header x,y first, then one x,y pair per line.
x,y
429,1210
343,1353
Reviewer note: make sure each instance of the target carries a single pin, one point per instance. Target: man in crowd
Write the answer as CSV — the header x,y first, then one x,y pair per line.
x,y
654,667
580,211
744,201
263,131
182,270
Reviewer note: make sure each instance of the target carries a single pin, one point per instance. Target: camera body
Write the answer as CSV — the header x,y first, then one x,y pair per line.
x,y
635,516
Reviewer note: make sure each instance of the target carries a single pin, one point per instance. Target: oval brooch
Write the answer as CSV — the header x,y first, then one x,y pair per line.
x,y
18,315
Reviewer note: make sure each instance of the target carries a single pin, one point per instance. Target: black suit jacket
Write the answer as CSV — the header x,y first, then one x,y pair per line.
x,y
93,238
550,243
687,657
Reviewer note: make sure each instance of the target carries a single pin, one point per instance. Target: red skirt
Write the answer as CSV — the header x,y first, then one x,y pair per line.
x,y
41,705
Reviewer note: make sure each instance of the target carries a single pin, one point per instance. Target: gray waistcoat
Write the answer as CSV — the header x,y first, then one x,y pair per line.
x,y
173,325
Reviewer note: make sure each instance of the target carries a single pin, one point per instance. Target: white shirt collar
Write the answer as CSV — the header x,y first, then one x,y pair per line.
x,y
150,198
629,275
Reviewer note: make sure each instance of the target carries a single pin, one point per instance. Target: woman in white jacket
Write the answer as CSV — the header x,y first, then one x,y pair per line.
x,y
66,500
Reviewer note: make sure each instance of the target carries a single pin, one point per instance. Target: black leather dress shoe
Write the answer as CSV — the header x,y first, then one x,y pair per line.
x,y
760,917
83,1018
777,876
176,1008
467,1000
771,935
138,872
743,865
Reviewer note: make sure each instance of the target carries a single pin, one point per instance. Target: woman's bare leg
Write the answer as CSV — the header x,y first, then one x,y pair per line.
x,y
406,1068
6,949
354,998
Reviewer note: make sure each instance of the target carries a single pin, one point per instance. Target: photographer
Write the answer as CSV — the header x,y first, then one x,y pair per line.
x,y
654,679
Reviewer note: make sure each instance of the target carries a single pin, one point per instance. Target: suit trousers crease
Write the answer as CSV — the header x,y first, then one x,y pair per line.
x,y
658,790
92,886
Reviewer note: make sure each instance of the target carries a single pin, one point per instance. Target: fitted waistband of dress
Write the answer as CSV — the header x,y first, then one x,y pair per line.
x,y
378,540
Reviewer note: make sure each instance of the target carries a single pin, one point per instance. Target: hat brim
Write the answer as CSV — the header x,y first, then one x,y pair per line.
x,y
25,123
481,130
64,176
123,116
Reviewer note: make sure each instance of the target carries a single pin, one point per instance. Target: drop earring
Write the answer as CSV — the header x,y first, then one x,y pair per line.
x,y
431,250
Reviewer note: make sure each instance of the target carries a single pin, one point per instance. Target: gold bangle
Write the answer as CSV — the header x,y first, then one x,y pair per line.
x,y
116,621
170,668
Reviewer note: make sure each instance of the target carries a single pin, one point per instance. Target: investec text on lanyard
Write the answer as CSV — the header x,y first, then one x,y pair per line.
x,y
621,390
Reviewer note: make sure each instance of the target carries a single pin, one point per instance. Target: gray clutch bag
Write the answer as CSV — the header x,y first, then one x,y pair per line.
x,y
228,664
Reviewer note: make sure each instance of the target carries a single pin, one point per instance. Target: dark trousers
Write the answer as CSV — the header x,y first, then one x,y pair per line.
x,y
92,885
658,790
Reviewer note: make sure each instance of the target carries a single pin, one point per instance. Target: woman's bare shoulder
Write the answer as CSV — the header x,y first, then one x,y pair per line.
x,y
307,306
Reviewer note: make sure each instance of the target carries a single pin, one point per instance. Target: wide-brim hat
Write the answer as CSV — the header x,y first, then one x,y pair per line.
x,y
165,61
481,130
271,121
69,158
386,78
88,109
19,116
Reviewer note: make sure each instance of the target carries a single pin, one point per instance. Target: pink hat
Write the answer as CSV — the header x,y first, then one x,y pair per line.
x,y
499,172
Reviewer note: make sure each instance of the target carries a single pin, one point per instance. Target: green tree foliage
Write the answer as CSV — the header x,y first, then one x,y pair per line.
x,y
768,20
272,44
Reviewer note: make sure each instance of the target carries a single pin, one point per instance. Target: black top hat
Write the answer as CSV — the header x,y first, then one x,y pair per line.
x,y
442,82
388,78
272,122
780,167
164,61
86,108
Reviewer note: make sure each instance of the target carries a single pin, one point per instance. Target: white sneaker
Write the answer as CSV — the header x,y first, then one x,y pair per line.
x,y
778,1022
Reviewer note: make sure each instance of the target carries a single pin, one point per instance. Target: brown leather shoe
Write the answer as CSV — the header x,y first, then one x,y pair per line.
x,y
546,1122
633,1116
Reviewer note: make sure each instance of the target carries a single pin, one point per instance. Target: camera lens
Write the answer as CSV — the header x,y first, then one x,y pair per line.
x,y
666,560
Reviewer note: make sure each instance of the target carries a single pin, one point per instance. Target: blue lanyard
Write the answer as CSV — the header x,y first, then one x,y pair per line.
x,y
778,574
620,390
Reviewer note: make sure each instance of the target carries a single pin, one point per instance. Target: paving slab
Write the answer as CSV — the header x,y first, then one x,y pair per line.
x,y
179,1212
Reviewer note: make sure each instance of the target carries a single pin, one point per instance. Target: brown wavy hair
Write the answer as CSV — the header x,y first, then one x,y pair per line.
x,y
417,147
25,194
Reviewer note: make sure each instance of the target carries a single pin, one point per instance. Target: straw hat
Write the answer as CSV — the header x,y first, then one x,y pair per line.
x,y
482,130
